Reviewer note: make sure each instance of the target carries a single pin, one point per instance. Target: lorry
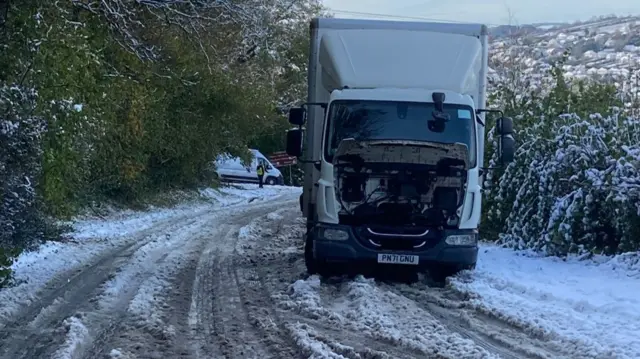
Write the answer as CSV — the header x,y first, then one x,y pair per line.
x,y
391,139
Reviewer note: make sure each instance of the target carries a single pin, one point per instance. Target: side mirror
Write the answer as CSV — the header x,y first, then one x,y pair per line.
x,y
268,167
504,126
507,149
297,116
294,142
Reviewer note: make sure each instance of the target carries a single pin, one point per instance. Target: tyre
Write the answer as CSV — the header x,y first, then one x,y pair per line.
x,y
313,265
309,260
271,181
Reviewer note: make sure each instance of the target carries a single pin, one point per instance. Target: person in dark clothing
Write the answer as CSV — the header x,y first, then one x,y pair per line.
x,y
260,171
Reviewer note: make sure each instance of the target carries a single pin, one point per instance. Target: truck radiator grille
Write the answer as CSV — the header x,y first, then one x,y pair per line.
x,y
405,239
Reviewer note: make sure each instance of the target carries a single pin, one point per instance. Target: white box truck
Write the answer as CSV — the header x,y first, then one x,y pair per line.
x,y
393,144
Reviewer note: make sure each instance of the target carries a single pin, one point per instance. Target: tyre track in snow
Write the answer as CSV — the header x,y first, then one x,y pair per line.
x,y
36,331
116,315
157,327
495,333
399,327
271,265
217,309
324,328
251,267
239,314
497,337
43,329
204,310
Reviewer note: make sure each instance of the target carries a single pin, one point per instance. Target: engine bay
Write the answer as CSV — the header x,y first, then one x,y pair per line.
x,y
388,191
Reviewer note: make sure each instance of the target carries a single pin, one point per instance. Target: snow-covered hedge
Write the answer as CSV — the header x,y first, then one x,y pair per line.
x,y
575,184
20,221
127,115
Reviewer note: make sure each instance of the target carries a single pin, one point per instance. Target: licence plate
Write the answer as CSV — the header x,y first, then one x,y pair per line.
x,y
398,259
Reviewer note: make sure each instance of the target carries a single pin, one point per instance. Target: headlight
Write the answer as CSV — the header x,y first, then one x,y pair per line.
x,y
461,240
334,234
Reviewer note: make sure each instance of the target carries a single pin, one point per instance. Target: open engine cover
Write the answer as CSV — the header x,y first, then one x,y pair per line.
x,y
400,182
398,151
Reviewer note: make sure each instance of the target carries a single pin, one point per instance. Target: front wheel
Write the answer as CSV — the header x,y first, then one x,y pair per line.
x,y
313,265
301,206
271,181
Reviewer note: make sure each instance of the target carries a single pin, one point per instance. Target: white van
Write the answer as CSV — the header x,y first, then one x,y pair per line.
x,y
231,169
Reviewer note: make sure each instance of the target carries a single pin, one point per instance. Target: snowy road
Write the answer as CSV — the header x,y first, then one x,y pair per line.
x,y
229,282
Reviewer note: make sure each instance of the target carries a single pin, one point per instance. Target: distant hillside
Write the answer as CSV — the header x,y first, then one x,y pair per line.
x,y
606,48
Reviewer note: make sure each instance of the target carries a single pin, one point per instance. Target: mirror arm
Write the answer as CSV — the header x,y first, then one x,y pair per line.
x,y
487,169
483,110
321,104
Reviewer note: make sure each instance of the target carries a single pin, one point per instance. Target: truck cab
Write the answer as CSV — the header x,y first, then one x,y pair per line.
x,y
394,144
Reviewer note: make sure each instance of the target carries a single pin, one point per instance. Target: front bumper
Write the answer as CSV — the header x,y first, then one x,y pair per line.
x,y
347,244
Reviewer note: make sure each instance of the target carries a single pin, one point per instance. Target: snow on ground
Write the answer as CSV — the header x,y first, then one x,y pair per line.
x,y
318,347
578,304
125,222
92,237
592,303
148,302
364,307
117,354
145,258
77,334
247,235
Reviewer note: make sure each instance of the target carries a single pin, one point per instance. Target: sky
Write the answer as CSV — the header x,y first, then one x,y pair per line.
x,y
490,12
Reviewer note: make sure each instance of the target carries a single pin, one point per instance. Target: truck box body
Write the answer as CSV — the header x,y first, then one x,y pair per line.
x,y
449,61
368,54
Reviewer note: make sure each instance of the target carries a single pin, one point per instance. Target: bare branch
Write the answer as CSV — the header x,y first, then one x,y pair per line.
x,y
252,22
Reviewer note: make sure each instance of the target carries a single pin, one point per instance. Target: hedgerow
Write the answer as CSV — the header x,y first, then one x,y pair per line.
x,y
575,184
118,103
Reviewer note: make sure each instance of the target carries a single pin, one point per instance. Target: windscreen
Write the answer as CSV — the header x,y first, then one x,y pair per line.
x,y
393,120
